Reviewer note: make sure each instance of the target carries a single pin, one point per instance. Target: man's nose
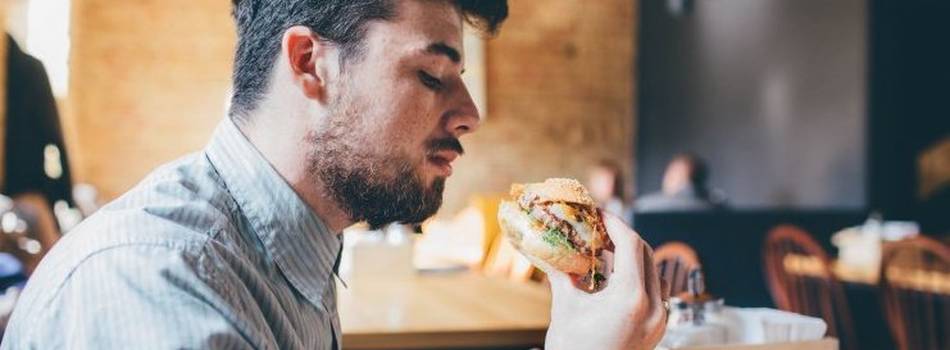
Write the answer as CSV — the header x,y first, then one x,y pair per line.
x,y
464,117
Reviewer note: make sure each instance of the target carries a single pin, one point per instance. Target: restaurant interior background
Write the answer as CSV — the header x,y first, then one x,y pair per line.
x,y
830,116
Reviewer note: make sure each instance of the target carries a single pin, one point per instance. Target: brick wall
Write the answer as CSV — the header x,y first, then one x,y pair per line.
x,y
561,93
149,79
148,83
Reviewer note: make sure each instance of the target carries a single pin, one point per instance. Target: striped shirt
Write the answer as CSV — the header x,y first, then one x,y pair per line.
x,y
212,251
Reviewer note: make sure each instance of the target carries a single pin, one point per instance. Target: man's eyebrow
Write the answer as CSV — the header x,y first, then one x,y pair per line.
x,y
446,50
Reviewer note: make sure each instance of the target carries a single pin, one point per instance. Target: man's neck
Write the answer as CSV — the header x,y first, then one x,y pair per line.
x,y
285,148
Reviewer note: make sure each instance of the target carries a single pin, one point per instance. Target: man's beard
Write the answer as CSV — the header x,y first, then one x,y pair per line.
x,y
369,186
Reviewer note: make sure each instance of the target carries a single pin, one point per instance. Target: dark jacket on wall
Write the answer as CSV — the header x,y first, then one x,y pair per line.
x,y
32,123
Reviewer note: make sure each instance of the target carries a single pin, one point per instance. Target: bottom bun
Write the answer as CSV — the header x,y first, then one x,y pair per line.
x,y
526,235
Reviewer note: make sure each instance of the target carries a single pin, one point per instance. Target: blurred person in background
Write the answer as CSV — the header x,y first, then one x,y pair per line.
x,y
932,215
605,181
35,173
342,111
685,188
933,169
35,159
36,169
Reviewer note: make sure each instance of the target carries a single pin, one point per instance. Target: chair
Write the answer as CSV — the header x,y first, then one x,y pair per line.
x,y
915,292
505,261
800,279
674,261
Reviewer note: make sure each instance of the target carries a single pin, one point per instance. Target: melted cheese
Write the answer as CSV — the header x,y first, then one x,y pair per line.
x,y
593,271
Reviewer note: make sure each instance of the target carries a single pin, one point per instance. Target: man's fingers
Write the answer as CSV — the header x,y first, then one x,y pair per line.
x,y
628,253
651,280
621,234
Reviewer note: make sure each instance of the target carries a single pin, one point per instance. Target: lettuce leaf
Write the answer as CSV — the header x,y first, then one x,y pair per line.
x,y
556,238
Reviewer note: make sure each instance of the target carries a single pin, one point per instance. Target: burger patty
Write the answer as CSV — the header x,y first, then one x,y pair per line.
x,y
578,223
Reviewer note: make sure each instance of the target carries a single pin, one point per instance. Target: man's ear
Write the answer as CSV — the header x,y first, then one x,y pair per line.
x,y
308,57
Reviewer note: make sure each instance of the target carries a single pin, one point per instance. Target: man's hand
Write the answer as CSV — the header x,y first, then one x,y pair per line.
x,y
627,314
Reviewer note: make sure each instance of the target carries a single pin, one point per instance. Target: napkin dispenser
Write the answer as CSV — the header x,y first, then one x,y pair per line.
x,y
690,312
693,306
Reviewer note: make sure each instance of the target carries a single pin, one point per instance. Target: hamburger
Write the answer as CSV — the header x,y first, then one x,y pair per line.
x,y
557,222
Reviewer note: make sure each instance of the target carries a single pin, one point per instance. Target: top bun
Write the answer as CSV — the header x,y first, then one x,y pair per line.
x,y
555,190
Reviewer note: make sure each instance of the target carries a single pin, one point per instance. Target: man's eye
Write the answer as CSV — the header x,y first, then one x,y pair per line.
x,y
429,81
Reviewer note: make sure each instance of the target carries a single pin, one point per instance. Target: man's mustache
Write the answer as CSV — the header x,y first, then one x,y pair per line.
x,y
445,144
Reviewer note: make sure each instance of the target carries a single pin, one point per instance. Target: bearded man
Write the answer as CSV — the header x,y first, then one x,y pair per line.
x,y
342,111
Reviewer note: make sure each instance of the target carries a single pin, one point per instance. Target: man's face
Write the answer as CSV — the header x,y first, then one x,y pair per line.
x,y
676,177
600,182
396,114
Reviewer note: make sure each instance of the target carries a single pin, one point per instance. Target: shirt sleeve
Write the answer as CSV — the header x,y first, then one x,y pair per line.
x,y
133,297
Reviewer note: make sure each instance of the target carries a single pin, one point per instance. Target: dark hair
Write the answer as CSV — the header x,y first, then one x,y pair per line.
x,y
261,23
698,171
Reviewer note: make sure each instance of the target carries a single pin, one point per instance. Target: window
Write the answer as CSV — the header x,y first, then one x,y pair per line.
x,y
47,39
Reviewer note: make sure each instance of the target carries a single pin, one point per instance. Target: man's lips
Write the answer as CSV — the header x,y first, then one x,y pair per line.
x,y
443,161
446,155
442,152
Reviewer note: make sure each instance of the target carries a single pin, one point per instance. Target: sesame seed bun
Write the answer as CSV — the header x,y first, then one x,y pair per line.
x,y
555,190
537,241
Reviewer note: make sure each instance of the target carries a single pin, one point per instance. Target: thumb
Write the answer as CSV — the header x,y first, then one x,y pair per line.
x,y
629,253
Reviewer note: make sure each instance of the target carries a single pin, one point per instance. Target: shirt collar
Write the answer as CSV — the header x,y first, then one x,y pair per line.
x,y
298,241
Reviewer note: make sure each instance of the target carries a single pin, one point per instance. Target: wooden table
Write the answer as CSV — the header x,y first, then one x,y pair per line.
x,y
437,311
823,344
929,281
812,266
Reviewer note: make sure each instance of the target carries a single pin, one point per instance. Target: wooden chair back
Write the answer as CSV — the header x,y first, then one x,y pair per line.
x,y
674,261
800,279
915,292
505,261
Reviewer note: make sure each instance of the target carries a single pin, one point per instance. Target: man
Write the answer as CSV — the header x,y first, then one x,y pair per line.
x,y
343,111
684,188
606,185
